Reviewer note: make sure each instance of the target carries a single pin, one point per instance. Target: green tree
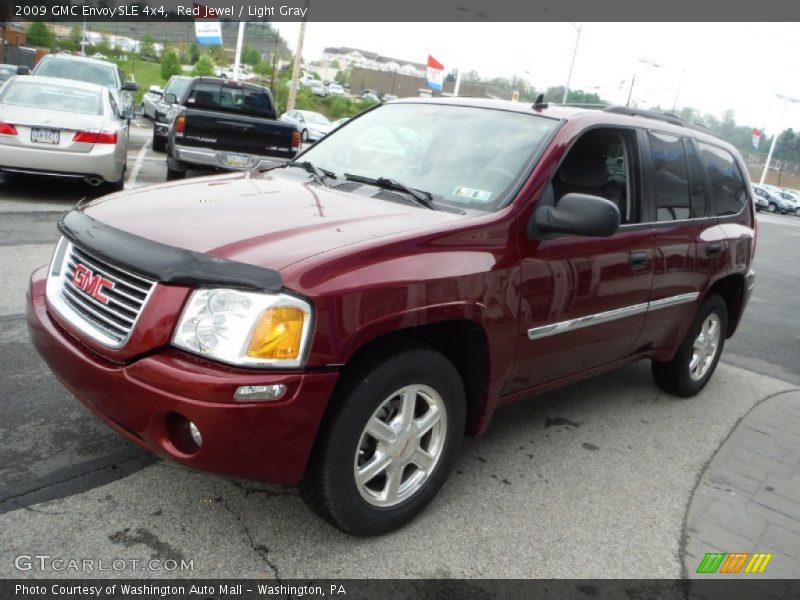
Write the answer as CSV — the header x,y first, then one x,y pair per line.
x,y
216,54
76,36
251,56
40,35
203,67
170,65
194,53
341,77
146,46
263,69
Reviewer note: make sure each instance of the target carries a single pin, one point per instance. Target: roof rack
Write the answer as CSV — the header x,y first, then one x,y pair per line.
x,y
658,115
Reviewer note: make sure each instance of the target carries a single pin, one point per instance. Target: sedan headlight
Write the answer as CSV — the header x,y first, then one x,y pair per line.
x,y
245,328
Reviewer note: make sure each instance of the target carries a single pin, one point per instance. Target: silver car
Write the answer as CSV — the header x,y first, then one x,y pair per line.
x,y
63,128
311,125
91,70
150,100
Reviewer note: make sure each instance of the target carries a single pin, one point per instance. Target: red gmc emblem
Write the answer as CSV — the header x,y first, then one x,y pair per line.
x,y
92,284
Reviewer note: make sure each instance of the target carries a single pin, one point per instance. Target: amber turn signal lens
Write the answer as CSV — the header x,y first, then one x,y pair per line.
x,y
278,334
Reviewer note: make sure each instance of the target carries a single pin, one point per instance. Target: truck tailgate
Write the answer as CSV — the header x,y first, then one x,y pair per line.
x,y
238,133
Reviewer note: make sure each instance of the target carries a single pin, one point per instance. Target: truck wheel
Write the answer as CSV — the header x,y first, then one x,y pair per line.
x,y
159,143
694,363
387,448
175,169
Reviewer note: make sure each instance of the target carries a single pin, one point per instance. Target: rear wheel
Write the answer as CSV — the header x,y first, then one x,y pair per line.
x,y
175,169
159,143
387,449
696,359
772,207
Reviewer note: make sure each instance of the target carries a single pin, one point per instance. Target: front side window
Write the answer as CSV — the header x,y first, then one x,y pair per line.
x,y
464,156
728,189
601,163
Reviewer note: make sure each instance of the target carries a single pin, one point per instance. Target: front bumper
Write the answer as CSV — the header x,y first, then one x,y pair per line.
x,y
215,159
100,162
264,441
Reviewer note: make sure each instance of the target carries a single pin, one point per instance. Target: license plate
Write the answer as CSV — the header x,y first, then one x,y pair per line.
x,y
45,136
236,160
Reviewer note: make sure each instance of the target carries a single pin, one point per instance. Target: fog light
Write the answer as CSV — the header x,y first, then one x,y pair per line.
x,y
249,393
195,433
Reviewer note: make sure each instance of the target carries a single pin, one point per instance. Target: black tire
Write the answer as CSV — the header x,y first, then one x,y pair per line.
x,y
772,207
329,486
175,169
674,376
159,143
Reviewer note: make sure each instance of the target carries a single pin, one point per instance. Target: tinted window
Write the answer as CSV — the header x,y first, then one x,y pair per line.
x,y
697,181
177,86
230,98
728,190
670,177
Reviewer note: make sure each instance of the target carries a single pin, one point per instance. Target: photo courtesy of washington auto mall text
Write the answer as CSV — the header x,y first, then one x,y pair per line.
x,y
399,300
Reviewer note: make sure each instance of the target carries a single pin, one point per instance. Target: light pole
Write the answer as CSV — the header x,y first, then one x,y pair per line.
x,y
577,28
645,61
678,91
778,131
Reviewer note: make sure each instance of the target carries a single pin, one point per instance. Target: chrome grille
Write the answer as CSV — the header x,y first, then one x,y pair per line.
x,y
111,322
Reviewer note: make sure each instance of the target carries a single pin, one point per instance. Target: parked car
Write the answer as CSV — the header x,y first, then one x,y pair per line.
x,y
780,200
334,89
369,95
150,100
176,87
761,197
91,70
311,125
63,128
317,88
341,321
8,71
224,124
792,202
340,122
388,97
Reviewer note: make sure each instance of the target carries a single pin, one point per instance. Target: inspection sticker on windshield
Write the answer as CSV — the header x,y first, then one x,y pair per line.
x,y
472,194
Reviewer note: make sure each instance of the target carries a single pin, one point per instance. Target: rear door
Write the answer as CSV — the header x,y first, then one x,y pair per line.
x,y
687,240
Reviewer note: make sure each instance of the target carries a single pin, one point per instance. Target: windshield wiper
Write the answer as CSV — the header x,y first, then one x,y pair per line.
x,y
319,174
422,198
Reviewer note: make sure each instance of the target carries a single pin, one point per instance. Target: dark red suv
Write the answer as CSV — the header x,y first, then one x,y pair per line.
x,y
341,322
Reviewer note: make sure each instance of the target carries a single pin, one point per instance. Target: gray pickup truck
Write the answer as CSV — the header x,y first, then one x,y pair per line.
x,y
226,125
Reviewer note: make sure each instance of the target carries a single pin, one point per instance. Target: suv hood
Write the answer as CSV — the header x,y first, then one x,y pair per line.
x,y
270,220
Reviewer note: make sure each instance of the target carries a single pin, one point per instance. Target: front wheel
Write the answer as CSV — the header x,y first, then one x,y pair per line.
x,y
696,359
772,207
388,447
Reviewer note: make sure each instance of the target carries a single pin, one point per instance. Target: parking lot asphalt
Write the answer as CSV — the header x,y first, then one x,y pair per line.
x,y
590,481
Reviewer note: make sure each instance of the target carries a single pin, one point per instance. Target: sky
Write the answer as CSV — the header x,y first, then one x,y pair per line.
x,y
709,66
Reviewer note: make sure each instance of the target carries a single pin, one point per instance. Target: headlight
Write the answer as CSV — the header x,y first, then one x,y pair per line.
x,y
245,328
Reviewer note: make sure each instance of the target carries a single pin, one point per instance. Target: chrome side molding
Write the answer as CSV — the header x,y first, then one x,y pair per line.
x,y
611,315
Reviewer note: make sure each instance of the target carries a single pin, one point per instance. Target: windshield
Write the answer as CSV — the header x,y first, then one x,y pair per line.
x,y
26,92
465,156
177,86
315,118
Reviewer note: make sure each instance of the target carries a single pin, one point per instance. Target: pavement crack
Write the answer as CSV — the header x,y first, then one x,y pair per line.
x,y
260,549
248,490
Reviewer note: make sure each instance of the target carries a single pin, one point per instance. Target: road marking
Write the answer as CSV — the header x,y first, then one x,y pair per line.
x,y
138,164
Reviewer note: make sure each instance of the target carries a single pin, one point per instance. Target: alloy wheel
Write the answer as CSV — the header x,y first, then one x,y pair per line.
x,y
705,347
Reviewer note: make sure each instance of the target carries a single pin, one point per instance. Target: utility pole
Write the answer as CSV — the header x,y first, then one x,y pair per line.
x,y
298,57
572,64
778,131
274,62
237,61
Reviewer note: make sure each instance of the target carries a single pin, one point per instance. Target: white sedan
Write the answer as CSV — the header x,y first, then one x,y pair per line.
x,y
311,125
150,100
63,128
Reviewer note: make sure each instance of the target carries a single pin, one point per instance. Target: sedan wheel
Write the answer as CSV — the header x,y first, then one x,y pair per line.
x,y
772,208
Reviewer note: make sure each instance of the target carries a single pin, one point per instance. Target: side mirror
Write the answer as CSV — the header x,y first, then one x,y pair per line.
x,y
579,214
22,70
130,86
170,98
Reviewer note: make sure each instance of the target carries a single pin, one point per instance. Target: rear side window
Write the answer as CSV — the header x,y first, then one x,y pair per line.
x,y
243,100
728,190
670,177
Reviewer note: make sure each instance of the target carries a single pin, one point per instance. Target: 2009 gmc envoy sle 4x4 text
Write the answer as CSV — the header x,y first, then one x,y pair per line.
x,y
341,321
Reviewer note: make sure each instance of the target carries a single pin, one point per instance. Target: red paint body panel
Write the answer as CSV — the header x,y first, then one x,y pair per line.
x,y
371,268
268,441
